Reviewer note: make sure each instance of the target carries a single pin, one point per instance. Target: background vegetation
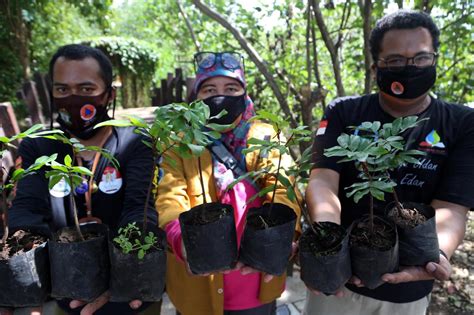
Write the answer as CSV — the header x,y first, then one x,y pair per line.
x,y
298,54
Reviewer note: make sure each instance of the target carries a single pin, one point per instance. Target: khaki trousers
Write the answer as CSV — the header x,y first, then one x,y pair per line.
x,y
356,304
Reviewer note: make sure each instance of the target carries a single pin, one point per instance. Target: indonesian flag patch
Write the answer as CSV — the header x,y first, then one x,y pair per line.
x,y
322,128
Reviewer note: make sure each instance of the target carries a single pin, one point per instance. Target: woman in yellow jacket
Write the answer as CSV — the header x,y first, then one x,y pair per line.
x,y
220,83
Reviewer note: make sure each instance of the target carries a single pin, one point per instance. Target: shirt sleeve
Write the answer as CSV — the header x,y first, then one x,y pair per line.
x,y
138,173
174,237
330,128
457,182
31,206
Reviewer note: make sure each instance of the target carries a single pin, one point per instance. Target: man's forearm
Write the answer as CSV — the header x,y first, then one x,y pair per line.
x,y
450,225
322,200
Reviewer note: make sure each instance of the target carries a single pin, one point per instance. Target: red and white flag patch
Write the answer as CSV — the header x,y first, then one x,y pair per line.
x,y
322,128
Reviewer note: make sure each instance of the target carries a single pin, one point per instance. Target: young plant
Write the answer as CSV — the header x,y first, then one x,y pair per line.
x,y
376,150
73,175
132,232
284,147
5,144
181,126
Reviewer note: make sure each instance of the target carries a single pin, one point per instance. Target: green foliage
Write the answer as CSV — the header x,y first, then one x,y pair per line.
x,y
72,175
283,147
18,174
376,150
33,132
78,147
181,126
276,30
21,173
140,244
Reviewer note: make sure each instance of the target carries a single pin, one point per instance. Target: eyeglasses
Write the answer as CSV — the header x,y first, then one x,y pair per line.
x,y
399,63
229,60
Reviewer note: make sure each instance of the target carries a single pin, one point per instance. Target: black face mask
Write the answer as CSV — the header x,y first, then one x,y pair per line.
x,y
79,114
408,83
233,105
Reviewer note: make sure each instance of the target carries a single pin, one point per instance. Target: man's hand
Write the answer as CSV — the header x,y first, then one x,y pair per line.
x,y
95,305
440,271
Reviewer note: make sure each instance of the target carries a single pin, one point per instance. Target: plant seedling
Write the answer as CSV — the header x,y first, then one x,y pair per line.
x,y
376,150
132,232
73,175
283,146
5,144
181,126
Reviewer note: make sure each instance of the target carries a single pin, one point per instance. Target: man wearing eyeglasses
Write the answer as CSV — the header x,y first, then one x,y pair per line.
x,y
404,49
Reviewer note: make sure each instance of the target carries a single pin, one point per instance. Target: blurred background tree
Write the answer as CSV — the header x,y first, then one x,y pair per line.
x,y
303,53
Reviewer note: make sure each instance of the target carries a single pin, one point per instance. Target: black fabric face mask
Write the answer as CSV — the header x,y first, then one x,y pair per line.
x,y
233,105
408,83
79,114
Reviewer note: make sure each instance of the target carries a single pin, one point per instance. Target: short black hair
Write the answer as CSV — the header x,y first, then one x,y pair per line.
x,y
80,52
401,19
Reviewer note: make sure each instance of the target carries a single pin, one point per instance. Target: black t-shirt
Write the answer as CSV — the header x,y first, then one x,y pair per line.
x,y
446,171
120,197
121,193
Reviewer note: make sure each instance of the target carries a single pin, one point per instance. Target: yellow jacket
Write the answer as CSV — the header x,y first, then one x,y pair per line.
x,y
181,190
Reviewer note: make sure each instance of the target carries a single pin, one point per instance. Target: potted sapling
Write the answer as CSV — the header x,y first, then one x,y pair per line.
x,y
324,253
266,243
208,230
24,264
138,253
375,150
78,254
416,225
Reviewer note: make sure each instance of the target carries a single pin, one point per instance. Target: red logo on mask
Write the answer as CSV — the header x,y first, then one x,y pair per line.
x,y
397,88
88,112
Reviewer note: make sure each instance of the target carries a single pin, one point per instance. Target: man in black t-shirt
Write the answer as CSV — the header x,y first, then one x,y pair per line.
x,y
403,47
81,94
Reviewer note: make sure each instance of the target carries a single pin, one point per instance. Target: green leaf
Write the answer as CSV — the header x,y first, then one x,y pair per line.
x,y
53,180
196,149
290,193
284,180
343,140
17,175
354,142
115,123
68,160
138,122
219,128
377,194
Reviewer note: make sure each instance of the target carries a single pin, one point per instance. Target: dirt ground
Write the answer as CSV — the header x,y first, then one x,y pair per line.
x,y
456,296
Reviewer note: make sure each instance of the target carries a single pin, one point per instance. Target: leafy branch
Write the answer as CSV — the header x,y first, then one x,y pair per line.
x,y
376,150
179,126
7,143
277,144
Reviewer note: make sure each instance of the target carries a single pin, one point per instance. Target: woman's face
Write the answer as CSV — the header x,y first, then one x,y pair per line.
x,y
220,86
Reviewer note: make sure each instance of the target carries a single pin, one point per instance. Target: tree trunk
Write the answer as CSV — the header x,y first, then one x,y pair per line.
x,y
254,56
366,12
12,10
331,47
